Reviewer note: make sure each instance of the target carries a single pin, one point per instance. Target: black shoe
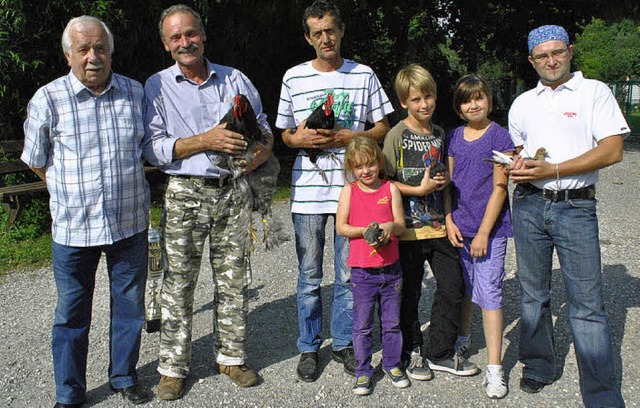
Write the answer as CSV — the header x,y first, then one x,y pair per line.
x,y
308,367
456,364
530,385
347,359
136,394
78,405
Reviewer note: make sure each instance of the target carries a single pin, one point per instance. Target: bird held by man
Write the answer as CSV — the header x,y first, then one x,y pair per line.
x,y
501,158
322,117
262,182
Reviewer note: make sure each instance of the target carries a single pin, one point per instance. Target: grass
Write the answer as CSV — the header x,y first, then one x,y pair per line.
x,y
27,254
27,244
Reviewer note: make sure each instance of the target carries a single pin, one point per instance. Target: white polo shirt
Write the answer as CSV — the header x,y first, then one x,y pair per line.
x,y
567,122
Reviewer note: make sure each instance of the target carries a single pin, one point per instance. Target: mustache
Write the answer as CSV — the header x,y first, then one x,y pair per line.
x,y
94,66
190,48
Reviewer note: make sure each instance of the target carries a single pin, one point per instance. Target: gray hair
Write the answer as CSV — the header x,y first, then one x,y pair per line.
x,y
180,8
83,20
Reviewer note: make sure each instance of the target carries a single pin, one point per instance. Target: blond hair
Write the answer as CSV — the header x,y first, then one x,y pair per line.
x,y
361,150
414,76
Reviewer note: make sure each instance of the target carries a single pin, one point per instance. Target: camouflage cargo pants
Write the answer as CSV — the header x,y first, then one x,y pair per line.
x,y
192,212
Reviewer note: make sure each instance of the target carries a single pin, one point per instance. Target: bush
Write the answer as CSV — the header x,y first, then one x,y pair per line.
x,y
28,243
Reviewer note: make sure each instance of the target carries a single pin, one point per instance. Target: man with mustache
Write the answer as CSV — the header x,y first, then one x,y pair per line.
x,y
83,136
184,138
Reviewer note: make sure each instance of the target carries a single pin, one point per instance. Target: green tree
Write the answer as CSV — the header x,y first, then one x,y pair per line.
x,y
30,50
608,51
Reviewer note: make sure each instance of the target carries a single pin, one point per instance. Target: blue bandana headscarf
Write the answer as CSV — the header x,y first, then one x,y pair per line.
x,y
547,33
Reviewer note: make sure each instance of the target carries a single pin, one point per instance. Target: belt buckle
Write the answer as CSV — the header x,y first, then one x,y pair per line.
x,y
214,182
554,197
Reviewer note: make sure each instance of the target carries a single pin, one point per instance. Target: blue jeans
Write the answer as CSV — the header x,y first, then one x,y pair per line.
x,y
310,239
571,227
74,270
370,287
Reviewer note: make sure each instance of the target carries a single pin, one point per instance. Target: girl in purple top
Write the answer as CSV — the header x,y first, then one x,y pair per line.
x,y
478,223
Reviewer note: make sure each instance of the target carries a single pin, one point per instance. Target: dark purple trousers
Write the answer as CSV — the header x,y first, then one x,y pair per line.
x,y
372,286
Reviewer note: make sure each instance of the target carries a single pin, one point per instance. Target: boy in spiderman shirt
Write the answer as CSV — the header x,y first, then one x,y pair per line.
x,y
412,150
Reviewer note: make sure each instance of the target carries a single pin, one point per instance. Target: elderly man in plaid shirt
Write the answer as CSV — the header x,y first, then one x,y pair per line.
x,y
83,137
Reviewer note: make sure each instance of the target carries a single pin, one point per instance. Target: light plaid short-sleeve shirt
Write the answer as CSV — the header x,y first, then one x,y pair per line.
x,y
90,146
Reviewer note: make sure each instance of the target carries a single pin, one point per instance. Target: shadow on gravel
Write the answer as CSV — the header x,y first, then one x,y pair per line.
x,y
632,144
620,292
272,329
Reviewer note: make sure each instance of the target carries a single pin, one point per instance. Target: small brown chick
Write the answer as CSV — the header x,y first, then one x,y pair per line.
x,y
540,153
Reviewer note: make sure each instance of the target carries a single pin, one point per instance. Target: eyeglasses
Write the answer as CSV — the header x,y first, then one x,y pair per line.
x,y
556,54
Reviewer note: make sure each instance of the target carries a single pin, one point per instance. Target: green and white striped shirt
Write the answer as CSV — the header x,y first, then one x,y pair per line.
x,y
358,98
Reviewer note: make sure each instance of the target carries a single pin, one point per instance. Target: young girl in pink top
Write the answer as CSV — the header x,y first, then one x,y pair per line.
x,y
375,268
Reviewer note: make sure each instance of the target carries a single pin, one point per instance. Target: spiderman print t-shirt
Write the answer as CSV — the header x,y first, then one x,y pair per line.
x,y
407,155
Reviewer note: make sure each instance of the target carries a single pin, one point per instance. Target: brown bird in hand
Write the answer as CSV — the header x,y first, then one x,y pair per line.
x,y
540,153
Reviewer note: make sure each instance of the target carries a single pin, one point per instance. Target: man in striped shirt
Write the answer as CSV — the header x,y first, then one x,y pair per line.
x,y
83,137
358,98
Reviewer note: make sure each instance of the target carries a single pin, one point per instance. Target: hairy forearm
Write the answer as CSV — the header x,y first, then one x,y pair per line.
x,y
378,131
288,138
188,146
608,152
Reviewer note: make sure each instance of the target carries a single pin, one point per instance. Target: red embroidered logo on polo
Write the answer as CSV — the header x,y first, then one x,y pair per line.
x,y
571,114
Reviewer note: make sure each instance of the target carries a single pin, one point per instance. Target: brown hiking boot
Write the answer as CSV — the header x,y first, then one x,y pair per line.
x,y
240,374
170,388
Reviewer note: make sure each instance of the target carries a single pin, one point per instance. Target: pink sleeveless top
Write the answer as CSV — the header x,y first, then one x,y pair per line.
x,y
364,209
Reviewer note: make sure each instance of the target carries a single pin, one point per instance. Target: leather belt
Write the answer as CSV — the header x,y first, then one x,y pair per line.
x,y
564,195
384,269
207,181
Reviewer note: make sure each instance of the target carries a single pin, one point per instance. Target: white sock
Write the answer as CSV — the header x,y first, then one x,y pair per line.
x,y
494,368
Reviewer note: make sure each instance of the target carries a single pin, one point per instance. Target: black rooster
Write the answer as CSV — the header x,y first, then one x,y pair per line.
x,y
241,118
321,118
261,182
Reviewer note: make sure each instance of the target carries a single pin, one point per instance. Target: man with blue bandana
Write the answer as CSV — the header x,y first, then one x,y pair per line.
x,y
579,123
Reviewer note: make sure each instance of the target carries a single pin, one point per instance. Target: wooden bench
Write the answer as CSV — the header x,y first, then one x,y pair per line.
x,y
13,166
11,197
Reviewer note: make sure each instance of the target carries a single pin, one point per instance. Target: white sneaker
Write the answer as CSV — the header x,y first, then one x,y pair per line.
x,y
494,384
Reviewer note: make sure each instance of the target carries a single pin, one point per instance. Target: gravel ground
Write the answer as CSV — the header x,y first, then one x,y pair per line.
x,y
27,301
